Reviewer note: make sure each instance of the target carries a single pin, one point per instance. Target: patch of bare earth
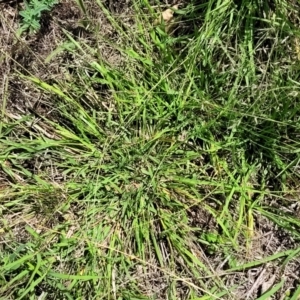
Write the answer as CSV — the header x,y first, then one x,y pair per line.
x,y
267,240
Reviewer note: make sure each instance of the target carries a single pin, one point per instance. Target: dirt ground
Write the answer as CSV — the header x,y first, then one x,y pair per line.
x,y
29,55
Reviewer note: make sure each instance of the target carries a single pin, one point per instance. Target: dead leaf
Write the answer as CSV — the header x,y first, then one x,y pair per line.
x,y
297,47
166,16
268,284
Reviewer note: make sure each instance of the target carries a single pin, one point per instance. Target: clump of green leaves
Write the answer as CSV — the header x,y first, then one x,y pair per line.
x,y
31,15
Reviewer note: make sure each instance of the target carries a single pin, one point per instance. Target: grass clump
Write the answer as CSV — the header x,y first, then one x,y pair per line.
x,y
153,175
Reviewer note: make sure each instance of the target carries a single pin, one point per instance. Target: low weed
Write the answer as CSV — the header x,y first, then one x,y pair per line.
x,y
31,15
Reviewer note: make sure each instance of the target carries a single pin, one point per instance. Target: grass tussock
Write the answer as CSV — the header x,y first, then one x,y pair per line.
x,y
163,163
